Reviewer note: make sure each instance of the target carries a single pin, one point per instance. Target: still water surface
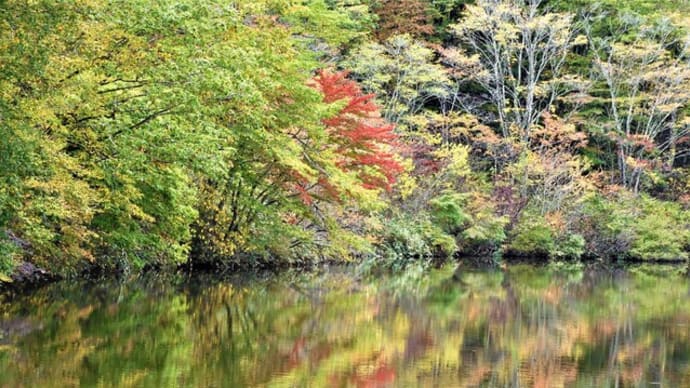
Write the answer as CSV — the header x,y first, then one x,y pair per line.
x,y
521,326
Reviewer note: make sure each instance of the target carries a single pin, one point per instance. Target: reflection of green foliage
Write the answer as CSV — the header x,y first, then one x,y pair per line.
x,y
527,277
500,327
658,271
572,271
482,282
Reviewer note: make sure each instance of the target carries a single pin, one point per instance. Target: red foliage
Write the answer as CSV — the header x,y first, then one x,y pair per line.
x,y
300,184
362,138
422,153
383,376
303,194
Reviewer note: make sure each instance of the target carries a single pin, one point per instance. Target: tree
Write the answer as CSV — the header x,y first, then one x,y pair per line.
x,y
364,142
647,83
397,17
284,182
521,50
403,75
128,124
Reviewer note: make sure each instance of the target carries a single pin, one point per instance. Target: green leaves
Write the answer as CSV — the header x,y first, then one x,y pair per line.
x,y
402,73
126,119
521,49
447,211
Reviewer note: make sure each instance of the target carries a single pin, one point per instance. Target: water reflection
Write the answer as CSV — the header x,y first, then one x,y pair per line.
x,y
523,326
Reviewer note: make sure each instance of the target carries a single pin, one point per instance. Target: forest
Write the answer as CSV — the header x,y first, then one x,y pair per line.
x,y
276,133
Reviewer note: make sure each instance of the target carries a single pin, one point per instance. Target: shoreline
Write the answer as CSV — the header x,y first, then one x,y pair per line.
x,y
27,277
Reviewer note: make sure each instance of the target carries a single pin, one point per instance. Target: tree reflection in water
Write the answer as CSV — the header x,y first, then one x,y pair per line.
x,y
525,325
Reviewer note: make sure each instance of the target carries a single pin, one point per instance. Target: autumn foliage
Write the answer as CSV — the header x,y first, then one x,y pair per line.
x,y
364,141
139,134
403,17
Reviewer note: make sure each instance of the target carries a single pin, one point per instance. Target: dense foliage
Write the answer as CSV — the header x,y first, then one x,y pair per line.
x,y
279,132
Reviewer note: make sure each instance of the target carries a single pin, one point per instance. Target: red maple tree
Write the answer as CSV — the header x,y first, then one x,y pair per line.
x,y
363,140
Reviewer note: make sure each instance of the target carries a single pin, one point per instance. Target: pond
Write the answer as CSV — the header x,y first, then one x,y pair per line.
x,y
522,325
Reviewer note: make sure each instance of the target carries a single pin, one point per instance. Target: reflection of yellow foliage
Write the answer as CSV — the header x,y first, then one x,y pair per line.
x,y
521,326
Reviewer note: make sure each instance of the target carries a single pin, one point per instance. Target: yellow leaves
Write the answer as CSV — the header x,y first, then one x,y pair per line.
x,y
648,51
292,156
96,74
4,278
457,160
580,40
507,35
635,163
407,182
7,89
70,207
462,64
507,20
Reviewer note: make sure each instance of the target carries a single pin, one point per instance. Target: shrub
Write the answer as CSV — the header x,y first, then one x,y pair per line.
x,y
571,246
532,236
603,223
447,211
637,227
485,231
8,251
470,218
537,235
661,232
407,240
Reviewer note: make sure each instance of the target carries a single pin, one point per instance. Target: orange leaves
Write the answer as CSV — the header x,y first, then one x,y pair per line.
x,y
640,142
303,194
362,139
403,17
557,135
